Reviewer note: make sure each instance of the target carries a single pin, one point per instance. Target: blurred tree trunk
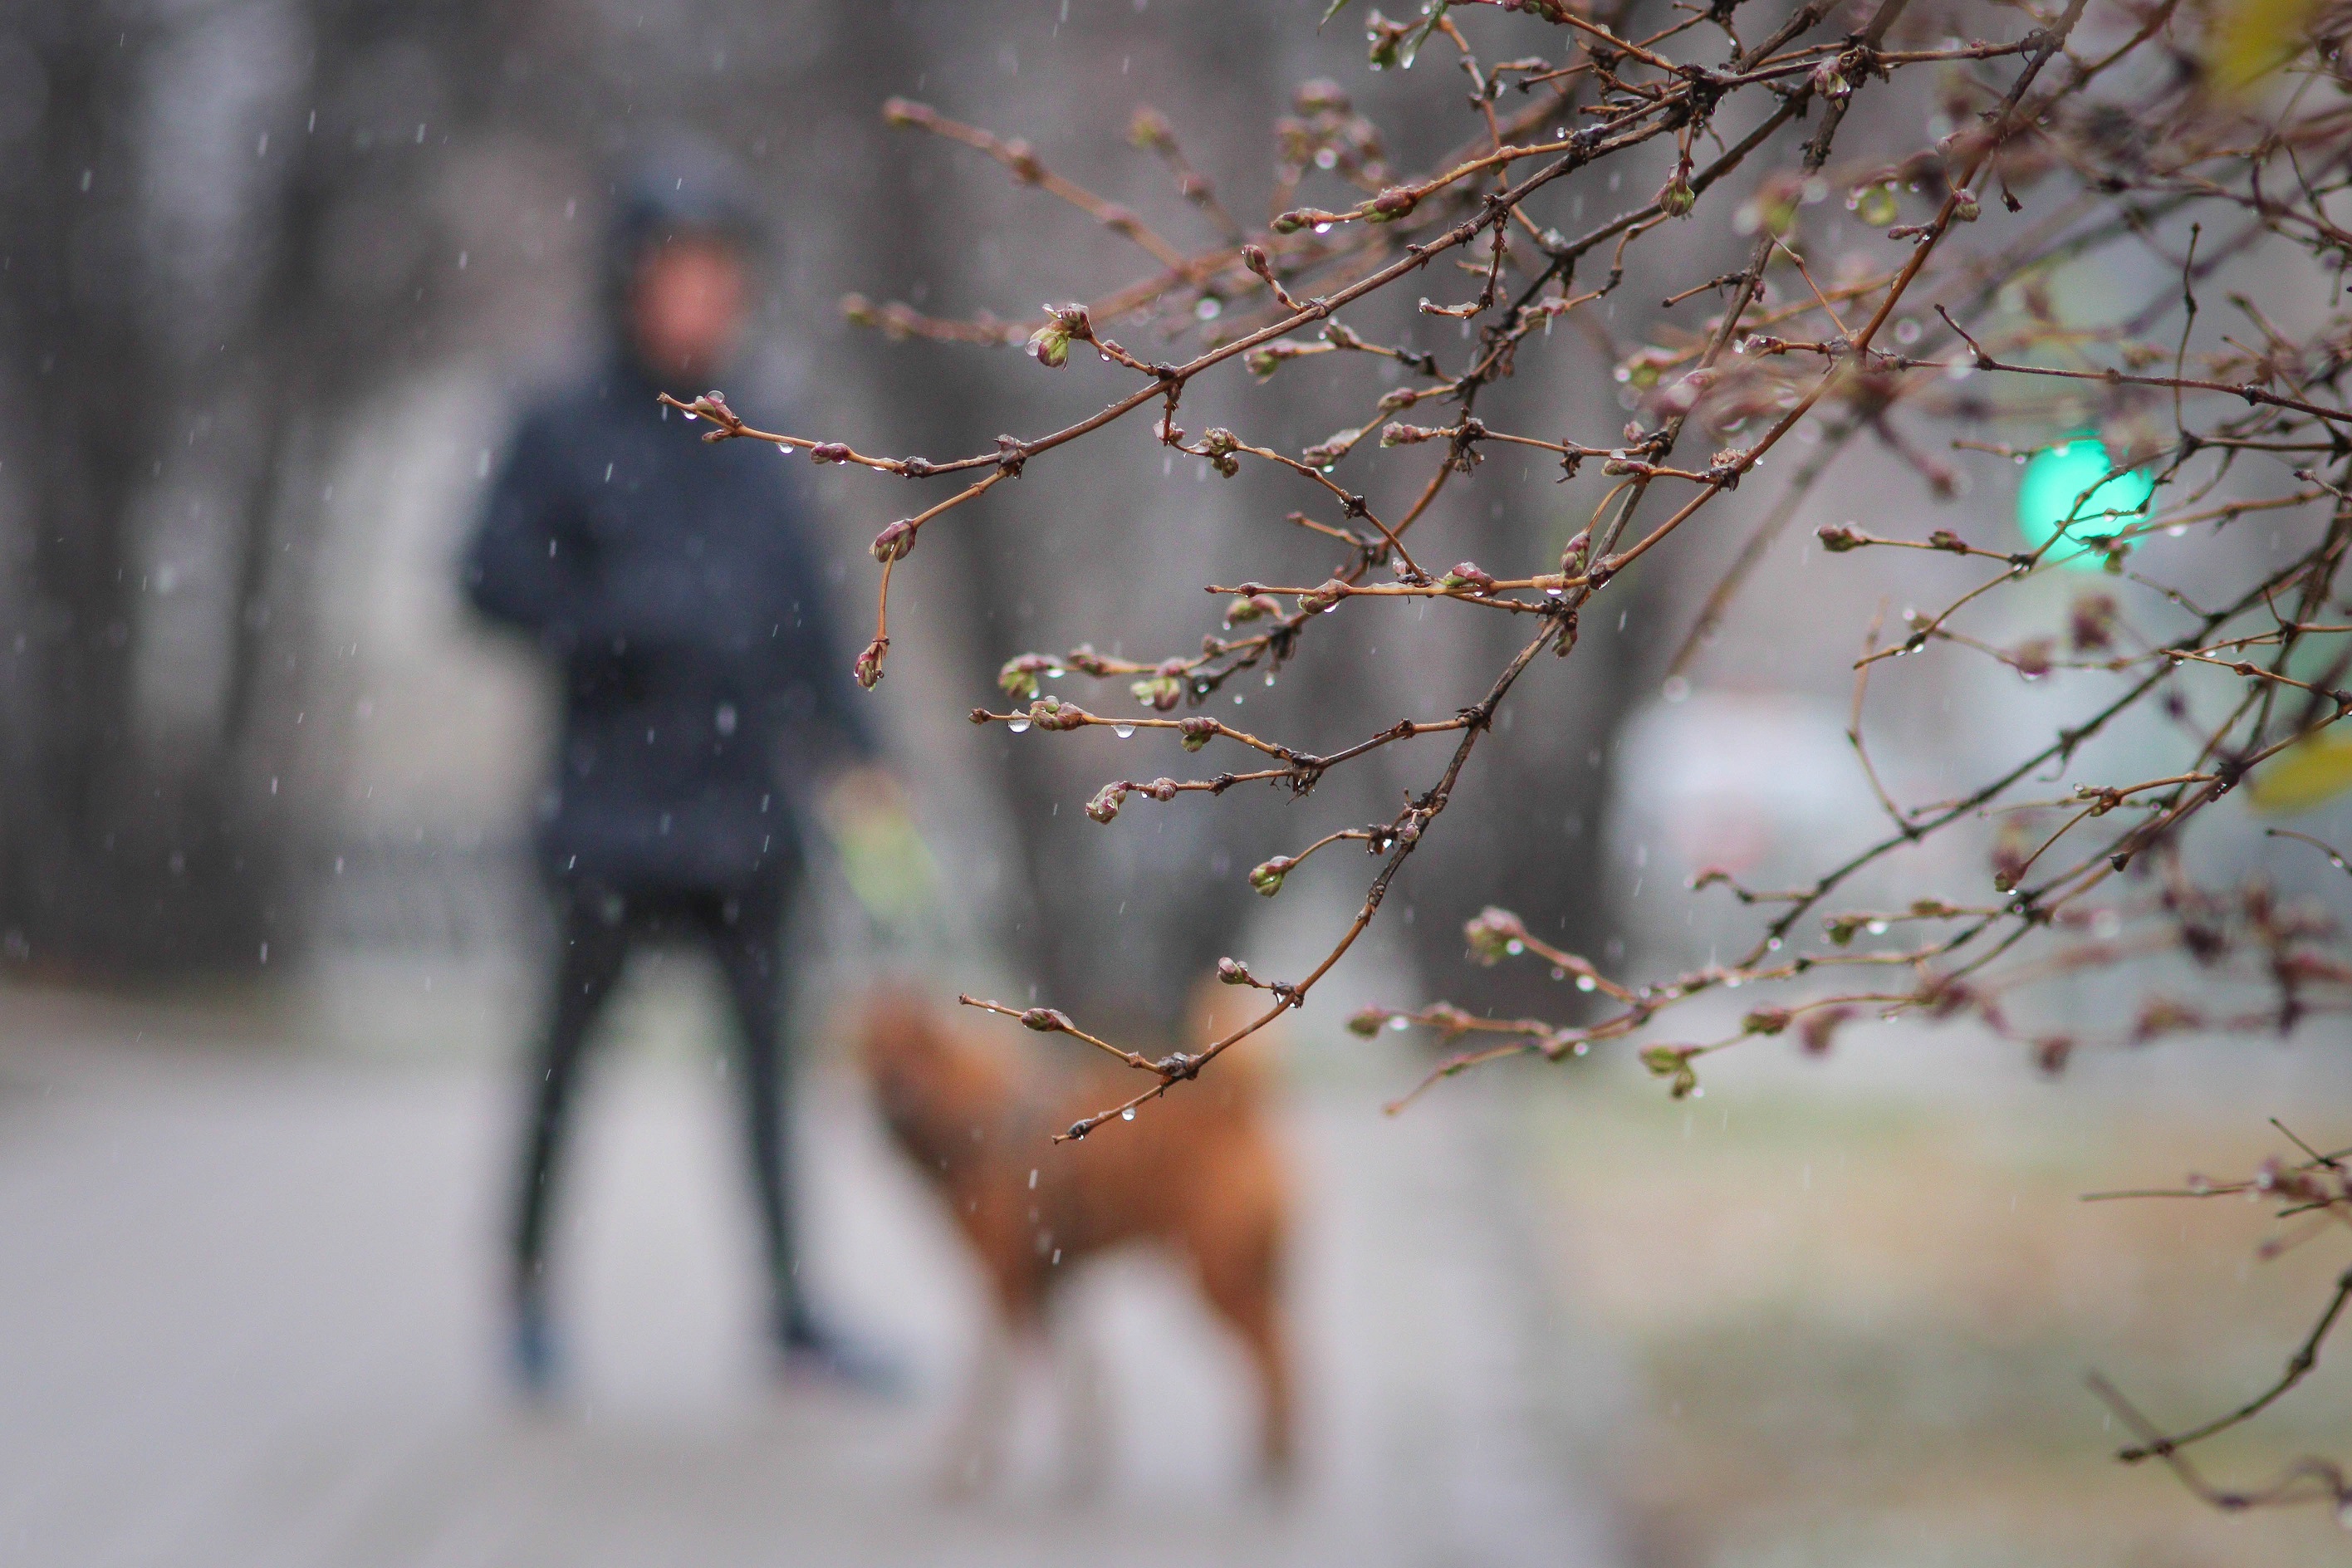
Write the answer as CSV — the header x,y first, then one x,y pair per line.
x,y
133,848
104,861
1119,947
936,399
1105,930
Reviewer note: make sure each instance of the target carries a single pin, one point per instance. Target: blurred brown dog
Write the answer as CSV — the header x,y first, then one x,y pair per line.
x,y
1196,1172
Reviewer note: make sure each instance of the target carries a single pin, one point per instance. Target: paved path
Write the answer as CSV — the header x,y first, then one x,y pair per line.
x,y
245,1319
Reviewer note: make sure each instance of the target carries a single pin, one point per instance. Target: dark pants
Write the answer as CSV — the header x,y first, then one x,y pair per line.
x,y
744,931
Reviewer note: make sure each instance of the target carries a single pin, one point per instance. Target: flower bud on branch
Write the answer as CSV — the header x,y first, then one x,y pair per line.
x,y
1494,933
1673,1063
1323,598
868,669
1105,801
1049,345
1018,677
1051,713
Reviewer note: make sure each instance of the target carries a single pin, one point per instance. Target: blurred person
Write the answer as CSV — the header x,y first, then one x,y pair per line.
x,y
674,583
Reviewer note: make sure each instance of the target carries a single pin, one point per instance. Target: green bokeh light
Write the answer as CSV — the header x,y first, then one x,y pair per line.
x,y
2050,494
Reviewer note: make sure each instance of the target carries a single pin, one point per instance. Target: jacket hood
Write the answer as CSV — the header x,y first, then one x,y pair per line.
x,y
677,186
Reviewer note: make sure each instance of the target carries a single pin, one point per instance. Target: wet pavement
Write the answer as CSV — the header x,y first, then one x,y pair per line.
x,y
248,1318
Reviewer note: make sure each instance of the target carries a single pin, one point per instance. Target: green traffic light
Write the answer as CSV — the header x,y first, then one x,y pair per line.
x,y
2050,498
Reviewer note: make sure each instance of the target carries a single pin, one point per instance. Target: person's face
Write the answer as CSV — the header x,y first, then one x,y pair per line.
x,y
686,309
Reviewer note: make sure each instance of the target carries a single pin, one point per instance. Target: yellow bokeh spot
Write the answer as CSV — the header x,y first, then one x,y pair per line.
x,y
2251,38
2306,775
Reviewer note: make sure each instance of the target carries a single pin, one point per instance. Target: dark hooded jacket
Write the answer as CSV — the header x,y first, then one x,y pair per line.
x,y
675,582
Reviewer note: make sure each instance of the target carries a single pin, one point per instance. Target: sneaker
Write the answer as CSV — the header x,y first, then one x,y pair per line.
x,y
536,1362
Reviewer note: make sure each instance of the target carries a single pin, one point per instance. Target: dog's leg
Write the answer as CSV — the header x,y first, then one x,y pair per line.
x,y
974,1451
1086,1416
1239,1281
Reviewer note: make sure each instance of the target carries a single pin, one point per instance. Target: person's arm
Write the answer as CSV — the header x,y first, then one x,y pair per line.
x,y
528,566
